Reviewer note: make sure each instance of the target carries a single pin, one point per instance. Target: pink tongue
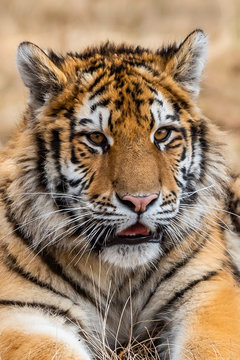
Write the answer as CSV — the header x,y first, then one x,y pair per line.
x,y
136,229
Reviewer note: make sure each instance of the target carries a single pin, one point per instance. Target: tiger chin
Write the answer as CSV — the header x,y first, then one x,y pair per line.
x,y
114,201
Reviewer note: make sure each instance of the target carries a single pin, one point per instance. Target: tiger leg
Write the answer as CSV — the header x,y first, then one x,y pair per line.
x,y
27,334
212,330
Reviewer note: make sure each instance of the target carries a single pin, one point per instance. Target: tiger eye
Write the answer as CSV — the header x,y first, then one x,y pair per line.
x,y
96,138
162,134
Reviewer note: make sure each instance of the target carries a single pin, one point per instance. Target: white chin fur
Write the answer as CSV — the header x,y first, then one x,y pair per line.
x,y
130,256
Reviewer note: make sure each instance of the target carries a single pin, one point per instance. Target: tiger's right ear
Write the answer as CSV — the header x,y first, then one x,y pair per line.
x,y
38,73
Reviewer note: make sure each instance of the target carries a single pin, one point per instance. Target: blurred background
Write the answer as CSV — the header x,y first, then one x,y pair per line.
x,y
73,24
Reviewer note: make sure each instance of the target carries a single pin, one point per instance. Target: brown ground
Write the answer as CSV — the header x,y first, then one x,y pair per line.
x,y
72,24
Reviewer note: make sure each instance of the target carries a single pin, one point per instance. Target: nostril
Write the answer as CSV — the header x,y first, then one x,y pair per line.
x,y
138,203
126,202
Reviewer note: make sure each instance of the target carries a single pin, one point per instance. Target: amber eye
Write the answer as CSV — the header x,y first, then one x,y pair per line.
x,y
162,134
97,138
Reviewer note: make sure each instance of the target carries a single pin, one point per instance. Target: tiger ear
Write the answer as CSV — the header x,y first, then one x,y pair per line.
x,y
38,73
188,61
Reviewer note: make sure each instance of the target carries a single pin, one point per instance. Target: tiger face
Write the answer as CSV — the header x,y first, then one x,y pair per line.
x,y
120,142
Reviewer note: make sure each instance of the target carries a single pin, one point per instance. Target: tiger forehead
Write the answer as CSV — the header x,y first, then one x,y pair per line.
x,y
113,100
102,114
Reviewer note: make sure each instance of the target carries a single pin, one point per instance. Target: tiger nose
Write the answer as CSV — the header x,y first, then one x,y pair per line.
x,y
140,202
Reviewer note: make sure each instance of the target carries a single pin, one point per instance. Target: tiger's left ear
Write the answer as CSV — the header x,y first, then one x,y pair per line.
x,y
39,73
188,61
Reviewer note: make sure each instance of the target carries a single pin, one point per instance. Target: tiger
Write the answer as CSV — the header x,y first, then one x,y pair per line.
x,y
115,205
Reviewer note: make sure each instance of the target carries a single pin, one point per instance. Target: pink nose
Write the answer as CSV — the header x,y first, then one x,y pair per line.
x,y
140,202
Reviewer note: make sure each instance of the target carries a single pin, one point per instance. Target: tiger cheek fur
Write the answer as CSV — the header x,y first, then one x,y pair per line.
x,y
113,203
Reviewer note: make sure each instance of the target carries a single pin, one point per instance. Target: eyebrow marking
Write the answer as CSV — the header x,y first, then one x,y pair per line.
x,y
101,103
85,121
100,120
173,117
151,88
159,114
158,101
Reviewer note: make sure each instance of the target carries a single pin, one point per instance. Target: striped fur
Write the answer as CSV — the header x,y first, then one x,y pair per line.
x,y
66,291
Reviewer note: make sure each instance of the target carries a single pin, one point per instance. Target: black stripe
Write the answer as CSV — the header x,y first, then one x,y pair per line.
x,y
100,91
179,137
61,185
173,146
55,147
178,182
233,206
74,182
74,159
170,144
70,115
174,270
146,277
91,150
101,103
176,106
204,146
11,263
179,294
152,122
48,259
183,155
49,308
184,133
93,68
173,117
96,81
89,182
150,87
85,121
110,123
57,269
194,137
42,154
178,101
11,219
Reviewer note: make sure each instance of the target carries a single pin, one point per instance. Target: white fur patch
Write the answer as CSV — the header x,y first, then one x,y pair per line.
x,y
30,322
131,256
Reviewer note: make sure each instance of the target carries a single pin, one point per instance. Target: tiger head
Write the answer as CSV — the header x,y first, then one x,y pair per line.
x,y
121,144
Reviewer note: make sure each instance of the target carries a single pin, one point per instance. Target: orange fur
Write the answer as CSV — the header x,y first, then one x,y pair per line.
x,y
64,263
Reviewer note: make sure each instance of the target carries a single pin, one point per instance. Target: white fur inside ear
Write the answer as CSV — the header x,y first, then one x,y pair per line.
x,y
38,73
191,58
26,55
201,53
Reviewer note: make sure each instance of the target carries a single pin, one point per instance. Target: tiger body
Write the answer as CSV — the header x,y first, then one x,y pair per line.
x,y
78,172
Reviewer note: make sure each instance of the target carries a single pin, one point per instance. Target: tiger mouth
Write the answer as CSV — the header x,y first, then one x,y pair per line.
x,y
133,240
134,235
